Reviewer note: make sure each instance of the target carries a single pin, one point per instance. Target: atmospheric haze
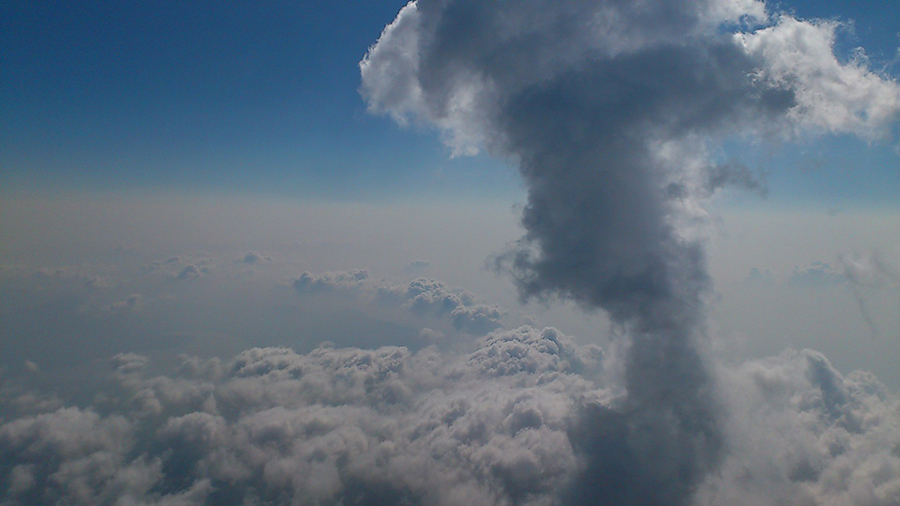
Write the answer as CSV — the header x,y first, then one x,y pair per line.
x,y
300,380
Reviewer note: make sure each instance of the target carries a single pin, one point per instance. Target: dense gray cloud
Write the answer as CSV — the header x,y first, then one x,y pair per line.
x,y
605,106
737,175
608,109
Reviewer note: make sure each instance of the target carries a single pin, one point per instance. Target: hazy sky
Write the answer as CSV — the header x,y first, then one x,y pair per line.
x,y
450,253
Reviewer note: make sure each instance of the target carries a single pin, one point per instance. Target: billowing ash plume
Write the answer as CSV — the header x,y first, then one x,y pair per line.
x,y
608,108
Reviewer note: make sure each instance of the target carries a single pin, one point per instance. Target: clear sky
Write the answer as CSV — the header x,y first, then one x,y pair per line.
x,y
450,253
233,96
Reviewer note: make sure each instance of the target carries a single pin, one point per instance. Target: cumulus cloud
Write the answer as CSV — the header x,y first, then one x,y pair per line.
x,y
609,110
830,96
818,274
512,422
179,267
64,317
252,258
422,297
330,281
331,426
802,433
130,303
190,272
529,350
760,277
524,416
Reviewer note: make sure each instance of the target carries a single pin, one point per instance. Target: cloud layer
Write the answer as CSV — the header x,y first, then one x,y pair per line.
x,y
518,416
611,111
333,426
420,297
512,422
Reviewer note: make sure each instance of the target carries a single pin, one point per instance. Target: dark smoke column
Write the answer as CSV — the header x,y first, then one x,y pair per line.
x,y
608,108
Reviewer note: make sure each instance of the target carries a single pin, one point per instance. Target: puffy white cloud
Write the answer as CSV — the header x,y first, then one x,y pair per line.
x,y
64,455
329,426
818,274
516,421
801,433
422,297
329,281
533,351
830,96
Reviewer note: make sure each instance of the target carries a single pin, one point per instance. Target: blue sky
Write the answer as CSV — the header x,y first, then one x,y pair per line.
x,y
264,98
202,96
